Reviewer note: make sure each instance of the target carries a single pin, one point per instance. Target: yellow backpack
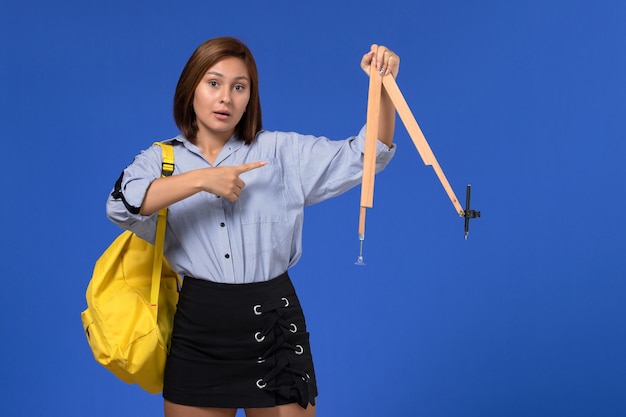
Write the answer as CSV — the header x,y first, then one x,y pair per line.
x,y
131,301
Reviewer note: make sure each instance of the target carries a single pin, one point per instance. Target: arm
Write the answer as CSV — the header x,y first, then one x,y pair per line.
x,y
327,168
221,181
388,63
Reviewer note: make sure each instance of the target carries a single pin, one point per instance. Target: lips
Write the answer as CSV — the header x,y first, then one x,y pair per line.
x,y
222,114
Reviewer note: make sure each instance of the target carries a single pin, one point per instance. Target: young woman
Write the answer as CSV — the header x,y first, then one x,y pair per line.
x,y
234,229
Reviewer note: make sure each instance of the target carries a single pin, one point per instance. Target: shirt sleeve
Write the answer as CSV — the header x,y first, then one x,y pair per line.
x,y
124,202
329,168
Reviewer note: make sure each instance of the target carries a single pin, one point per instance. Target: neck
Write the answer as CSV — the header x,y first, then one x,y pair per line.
x,y
211,144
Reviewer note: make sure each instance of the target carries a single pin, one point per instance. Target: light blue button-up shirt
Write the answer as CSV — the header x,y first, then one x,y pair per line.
x,y
259,236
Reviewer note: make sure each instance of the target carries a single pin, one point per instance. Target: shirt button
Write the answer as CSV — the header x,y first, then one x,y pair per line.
x,y
222,224
227,256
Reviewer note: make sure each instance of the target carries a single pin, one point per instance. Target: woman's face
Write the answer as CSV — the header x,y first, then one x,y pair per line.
x,y
221,97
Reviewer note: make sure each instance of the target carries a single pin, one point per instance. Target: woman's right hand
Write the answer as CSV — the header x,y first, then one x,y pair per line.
x,y
222,181
225,181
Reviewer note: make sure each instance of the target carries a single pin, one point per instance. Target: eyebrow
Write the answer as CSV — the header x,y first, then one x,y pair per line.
x,y
219,74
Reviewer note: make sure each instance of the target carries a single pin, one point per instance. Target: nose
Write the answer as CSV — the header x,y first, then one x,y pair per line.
x,y
225,96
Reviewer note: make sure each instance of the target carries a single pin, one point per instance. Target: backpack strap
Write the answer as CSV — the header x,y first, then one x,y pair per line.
x,y
167,168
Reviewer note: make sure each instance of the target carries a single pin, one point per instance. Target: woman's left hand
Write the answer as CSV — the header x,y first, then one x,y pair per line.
x,y
383,59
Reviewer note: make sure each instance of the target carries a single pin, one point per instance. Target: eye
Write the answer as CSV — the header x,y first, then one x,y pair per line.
x,y
213,83
240,87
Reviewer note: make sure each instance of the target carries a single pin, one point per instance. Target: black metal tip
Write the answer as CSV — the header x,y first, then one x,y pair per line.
x,y
469,213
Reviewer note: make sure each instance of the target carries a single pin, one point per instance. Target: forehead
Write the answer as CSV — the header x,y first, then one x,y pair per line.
x,y
230,67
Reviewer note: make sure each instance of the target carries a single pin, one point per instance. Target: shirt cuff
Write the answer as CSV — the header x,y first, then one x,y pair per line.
x,y
381,147
134,191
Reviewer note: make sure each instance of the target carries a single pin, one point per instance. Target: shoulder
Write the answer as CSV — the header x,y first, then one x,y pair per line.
x,y
180,144
178,140
153,155
273,139
281,138
271,135
271,144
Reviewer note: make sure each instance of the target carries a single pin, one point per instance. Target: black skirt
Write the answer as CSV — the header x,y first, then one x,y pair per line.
x,y
239,346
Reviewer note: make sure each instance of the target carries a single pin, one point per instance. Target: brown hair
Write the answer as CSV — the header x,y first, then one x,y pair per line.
x,y
203,58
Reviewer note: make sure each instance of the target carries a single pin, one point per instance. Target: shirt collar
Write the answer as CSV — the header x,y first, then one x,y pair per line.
x,y
232,145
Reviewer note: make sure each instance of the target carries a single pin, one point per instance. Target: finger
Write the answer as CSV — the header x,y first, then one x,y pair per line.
x,y
382,58
379,53
391,64
250,166
390,61
373,49
235,192
366,61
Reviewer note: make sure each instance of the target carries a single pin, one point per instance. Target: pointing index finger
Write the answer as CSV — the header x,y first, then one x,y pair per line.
x,y
250,166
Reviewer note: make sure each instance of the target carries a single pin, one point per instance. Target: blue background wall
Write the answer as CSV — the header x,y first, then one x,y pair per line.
x,y
524,99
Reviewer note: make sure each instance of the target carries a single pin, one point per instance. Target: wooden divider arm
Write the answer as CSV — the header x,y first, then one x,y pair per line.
x,y
371,137
423,148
